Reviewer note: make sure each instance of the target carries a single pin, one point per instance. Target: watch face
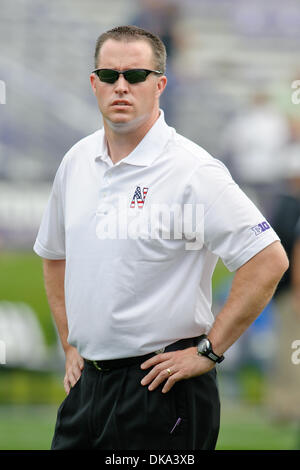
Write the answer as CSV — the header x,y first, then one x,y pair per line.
x,y
203,346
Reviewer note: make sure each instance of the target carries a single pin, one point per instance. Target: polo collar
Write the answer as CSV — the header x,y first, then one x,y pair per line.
x,y
149,148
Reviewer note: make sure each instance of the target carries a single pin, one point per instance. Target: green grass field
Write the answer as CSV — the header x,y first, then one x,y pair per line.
x,y
21,280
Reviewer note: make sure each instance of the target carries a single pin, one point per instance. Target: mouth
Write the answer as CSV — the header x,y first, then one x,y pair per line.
x,y
121,103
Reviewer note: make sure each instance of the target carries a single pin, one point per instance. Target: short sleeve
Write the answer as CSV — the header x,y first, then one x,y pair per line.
x,y
50,241
234,228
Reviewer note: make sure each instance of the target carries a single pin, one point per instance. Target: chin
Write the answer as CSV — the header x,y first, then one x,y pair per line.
x,y
120,117
124,125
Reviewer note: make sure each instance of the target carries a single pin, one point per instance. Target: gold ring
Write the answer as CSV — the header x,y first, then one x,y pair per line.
x,y
169,371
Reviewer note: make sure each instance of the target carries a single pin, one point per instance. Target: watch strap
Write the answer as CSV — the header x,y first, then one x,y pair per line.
x,y
211,355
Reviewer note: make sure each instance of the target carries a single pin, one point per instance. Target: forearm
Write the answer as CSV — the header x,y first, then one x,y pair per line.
x,y
253,287
54,276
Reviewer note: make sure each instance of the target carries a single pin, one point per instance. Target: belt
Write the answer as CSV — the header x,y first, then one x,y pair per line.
x,y
110,364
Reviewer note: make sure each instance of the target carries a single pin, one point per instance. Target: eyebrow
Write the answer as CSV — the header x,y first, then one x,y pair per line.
x,y
124,68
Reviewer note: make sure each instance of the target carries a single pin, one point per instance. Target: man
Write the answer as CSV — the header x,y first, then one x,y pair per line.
x,y
132,310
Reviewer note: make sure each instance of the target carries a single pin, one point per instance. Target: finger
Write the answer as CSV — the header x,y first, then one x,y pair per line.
x,y
171,381
156,360
67,385
73,372
76,371
155,371
160,378
72,377
79,363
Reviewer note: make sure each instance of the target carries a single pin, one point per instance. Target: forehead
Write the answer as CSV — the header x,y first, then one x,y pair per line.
x,y
126,54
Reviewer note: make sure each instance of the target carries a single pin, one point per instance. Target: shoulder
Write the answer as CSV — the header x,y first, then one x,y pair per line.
x,y
86,147
194,159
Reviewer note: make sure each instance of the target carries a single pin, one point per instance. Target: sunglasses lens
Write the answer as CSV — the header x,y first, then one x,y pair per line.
x,y
135,76
108,76
132,76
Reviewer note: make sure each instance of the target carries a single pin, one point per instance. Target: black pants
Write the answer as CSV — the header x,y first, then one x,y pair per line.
x,y
111,410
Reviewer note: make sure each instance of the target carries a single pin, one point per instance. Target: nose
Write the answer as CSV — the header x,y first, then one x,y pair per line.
x,y
121,85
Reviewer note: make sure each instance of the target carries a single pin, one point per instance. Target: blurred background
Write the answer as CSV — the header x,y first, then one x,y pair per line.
x,y
234,88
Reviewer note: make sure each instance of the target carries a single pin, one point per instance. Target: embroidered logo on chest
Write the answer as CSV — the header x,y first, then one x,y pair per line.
x,y
139,197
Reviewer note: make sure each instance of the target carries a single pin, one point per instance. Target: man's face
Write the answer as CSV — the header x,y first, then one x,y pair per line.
x,y
140,100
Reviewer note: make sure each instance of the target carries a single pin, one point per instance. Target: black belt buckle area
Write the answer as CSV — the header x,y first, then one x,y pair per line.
x,y
110,364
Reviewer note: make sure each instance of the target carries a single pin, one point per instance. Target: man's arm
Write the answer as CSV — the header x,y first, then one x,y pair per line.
x,y
253,286
54,277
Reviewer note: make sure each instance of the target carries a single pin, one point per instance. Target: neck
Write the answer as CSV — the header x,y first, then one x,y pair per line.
x,y
123,138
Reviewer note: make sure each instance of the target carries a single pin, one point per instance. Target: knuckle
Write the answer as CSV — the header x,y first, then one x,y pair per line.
x,y
183,376
159,369
158,373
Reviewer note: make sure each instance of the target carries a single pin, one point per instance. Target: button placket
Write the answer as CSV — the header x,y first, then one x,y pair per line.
x,y
104,193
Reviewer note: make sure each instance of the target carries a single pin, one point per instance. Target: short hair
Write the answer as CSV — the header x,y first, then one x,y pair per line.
x,y
132,33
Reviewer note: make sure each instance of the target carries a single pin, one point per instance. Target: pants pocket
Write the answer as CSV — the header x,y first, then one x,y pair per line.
x,y
67,407
179,408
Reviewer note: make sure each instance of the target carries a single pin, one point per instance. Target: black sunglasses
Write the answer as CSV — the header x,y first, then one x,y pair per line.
x,y
132,75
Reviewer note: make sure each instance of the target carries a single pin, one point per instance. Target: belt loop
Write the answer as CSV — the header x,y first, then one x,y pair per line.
x,y
96,365
159,351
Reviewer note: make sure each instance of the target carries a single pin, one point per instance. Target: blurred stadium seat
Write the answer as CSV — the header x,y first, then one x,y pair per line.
x,y
22,336
47,55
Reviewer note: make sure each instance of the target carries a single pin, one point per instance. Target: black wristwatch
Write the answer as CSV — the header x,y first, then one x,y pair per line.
x,y
204,348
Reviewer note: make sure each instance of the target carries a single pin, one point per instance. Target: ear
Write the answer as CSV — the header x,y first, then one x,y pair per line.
x,y
93,79
161,84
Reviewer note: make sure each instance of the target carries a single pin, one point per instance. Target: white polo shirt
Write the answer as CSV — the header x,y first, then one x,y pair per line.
x,y
136,282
